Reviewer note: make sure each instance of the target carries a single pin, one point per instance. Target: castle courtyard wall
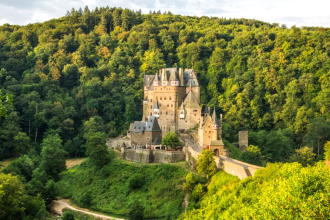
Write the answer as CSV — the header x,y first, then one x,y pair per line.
x,y
152,156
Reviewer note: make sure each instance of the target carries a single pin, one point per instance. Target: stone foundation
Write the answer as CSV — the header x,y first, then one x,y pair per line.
x,y
152,156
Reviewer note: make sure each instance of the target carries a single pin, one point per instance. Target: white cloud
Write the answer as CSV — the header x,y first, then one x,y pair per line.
x,y
289,12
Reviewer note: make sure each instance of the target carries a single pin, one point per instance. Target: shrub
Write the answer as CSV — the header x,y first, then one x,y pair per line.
x,y
68,216
136,212
136,182
86,199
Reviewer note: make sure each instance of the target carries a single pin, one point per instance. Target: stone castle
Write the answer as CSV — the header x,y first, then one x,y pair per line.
x,y
172,104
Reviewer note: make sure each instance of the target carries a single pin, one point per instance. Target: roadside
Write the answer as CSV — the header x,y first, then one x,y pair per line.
x,y
58,206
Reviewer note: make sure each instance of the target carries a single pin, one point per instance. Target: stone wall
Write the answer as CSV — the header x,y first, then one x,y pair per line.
x,y
138,155
161,156
229,165
152,156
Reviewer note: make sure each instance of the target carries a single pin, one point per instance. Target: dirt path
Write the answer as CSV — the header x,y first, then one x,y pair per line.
x,y
59,205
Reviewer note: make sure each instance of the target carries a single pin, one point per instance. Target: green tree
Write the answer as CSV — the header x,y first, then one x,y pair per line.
x,y
22,142
97,151
11,197
206,165
171,140
152,61
252,154
52,156
304,156
327,151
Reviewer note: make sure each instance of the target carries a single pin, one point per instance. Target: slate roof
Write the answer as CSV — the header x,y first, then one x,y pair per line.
x,y
141,126
191,100
172,74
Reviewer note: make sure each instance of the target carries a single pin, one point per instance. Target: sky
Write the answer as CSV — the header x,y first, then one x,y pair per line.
x,y
288,12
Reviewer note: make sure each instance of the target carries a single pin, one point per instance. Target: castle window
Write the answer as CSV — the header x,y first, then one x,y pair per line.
x,y
166,113
170,98
150,106
168,105
164,98
161,98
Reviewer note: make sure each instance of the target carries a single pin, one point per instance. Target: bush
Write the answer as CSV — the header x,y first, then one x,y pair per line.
x,y
86,199
68,216
136,212
136,182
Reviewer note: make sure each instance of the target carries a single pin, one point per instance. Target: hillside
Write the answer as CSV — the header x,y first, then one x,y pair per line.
x,y
279,191
120,185
91,63
69,83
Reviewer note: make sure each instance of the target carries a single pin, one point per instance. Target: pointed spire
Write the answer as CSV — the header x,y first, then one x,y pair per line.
x,y
214,117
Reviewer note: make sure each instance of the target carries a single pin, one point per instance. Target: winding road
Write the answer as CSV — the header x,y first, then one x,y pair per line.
x,y
59,205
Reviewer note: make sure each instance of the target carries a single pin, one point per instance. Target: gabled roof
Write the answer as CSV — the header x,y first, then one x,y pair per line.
x,y
141,126
152,124
148,79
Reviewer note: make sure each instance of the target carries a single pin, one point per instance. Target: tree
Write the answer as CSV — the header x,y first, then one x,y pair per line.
x,y
206,165
5,103
252,154
97,151
317,134
22,142
304,156
152,61
171,139
11,197
52,155
327,151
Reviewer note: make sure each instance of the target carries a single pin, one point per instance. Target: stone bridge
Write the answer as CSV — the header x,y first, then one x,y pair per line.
x,y
227,164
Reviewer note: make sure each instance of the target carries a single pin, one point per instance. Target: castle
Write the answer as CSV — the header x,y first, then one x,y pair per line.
x,y
172,104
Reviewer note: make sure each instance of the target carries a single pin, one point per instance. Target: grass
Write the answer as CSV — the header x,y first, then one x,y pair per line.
x,y
78,215
109,190
5,163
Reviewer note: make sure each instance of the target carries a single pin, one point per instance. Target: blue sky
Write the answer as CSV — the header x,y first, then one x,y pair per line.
x,y
288,12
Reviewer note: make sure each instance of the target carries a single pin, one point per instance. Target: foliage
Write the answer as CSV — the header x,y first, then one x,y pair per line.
x,y
171,140
252,154
97,150
136,181
275,145
161,193
284,191
327,151
91,63
15,203
304,156
136,212
206,165
75,215
52,156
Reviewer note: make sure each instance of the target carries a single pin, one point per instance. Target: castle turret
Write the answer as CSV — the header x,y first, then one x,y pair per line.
x,y
156,80
164,77
181,77
174,81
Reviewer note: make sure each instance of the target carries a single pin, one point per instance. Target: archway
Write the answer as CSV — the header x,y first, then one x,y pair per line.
x,y
216,152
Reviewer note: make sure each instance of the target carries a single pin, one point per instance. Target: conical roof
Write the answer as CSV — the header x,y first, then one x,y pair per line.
x,y
191,100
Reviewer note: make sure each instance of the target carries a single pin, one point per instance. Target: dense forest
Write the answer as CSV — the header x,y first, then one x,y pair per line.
x,y
68,83
91,63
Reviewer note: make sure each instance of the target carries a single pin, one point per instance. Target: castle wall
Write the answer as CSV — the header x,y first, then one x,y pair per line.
x,y
152,156
234,167
191,120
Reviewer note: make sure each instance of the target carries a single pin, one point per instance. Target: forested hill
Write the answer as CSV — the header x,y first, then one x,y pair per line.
x,y
91,63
